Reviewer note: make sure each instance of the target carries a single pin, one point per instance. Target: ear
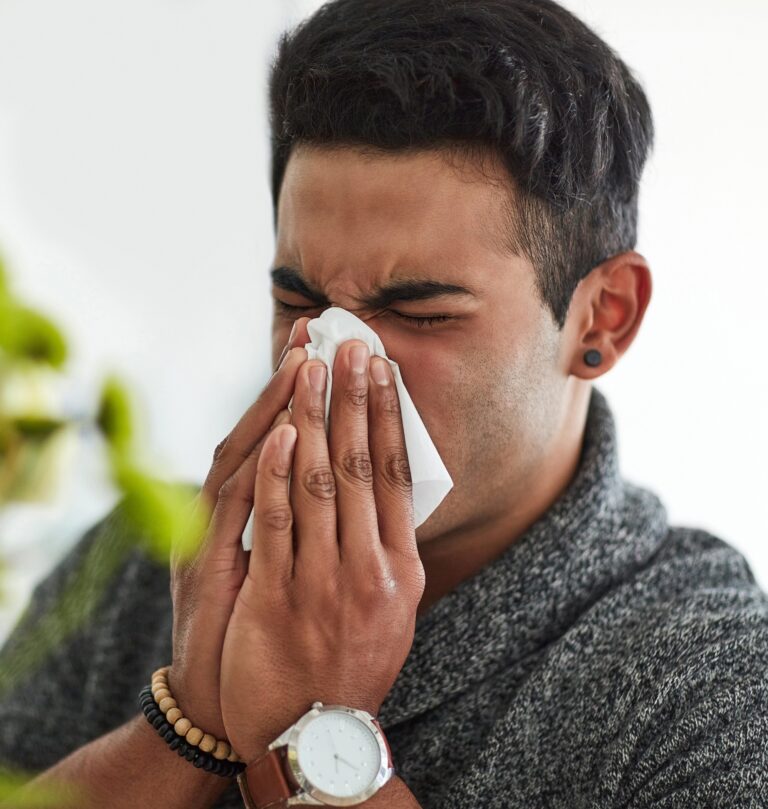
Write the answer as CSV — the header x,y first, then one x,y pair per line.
x,y
606,312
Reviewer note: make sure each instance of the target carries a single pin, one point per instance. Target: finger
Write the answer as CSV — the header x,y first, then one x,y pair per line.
x,y
313,487
272,555
221,549
392,486
253,424
299,337
357,527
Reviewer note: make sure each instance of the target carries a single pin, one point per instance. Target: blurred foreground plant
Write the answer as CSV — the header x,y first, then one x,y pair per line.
x,y
160,514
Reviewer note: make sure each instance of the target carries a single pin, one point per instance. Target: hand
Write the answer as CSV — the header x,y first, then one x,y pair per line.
x,y
330,618
204,589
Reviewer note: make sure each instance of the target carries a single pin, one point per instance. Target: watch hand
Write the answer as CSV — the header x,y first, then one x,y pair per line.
x,y
339,758
333,746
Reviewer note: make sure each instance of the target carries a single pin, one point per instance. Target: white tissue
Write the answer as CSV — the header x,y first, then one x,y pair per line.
x,y
430,479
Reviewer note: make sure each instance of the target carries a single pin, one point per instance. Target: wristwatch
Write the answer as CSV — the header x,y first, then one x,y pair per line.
x,y
331,756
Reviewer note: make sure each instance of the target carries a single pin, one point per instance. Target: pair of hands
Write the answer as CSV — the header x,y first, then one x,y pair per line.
x,y
324,606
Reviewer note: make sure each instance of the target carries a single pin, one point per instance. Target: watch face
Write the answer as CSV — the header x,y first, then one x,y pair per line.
x,y
338,754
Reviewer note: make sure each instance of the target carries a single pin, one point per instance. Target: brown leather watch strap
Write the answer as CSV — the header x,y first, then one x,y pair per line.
x,y
264,782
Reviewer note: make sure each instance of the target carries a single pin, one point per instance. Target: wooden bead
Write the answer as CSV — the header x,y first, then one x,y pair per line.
x,y
173,715
182,725
166,703
207,743
194,735
222,750
233,756
161,693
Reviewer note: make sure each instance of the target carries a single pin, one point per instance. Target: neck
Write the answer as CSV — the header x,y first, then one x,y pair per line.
x,y
459,554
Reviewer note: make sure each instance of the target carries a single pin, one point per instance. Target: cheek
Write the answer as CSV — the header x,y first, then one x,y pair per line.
x,y
430,374
440,385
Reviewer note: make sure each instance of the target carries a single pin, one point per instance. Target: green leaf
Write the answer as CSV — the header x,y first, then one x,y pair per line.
x,y
113,416
27,334
162,513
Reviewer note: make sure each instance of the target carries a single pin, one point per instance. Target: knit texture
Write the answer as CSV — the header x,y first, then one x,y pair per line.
x,y
604,660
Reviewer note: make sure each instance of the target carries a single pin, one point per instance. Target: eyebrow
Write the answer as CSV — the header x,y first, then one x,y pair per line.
x,y
405,289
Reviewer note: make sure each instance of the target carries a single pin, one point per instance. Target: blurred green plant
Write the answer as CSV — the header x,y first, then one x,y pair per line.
x,y
160,515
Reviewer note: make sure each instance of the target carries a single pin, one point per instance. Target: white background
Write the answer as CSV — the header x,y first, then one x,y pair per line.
x,y
135,210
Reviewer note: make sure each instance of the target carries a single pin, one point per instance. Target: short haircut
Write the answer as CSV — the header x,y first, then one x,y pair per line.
x,y
522,79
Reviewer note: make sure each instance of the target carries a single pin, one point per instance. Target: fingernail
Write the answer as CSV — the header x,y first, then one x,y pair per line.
x,y
317,377
287,440
358,357
285,359
293,331
380,370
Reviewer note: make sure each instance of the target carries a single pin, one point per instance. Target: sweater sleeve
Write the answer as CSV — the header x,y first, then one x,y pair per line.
x,y
707,740
44,661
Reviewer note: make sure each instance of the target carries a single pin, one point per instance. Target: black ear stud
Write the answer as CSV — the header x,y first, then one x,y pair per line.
x,y
593,357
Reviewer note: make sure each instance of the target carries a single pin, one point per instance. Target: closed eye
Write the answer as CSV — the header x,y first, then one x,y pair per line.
x,y
418,321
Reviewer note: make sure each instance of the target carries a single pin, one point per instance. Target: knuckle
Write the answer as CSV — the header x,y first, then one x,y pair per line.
x,y
356,466
277,517
230,490
318,592
389,404
327,588
276,471
320,483
356,398
316,416
397,470
378,584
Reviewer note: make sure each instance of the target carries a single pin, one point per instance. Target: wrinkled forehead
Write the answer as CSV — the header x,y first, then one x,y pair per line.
x,y
423,205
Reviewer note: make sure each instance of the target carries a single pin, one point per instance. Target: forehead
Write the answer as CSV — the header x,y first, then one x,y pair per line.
x,y
418,207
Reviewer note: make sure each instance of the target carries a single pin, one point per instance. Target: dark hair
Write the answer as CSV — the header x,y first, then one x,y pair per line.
x,y
524,79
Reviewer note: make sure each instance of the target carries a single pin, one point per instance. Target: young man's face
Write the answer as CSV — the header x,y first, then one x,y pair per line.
x,y
489,384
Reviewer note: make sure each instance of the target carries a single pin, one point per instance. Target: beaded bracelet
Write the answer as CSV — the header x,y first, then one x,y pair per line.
x,y
202,749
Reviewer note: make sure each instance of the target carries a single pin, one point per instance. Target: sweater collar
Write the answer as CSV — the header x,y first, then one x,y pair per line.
x,y
600,530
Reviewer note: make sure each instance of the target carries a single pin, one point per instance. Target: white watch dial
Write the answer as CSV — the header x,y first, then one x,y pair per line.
x,y
338,753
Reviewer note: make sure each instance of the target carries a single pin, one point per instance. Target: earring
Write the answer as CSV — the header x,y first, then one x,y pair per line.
x,y
593,357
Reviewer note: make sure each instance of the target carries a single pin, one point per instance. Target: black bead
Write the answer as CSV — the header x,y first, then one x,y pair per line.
x,y
183,747
217,766
191,753
173,742
164,728
159,719
593,357
209,765
198,761
153,713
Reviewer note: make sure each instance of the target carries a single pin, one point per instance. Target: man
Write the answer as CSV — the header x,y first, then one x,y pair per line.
x,y
463,177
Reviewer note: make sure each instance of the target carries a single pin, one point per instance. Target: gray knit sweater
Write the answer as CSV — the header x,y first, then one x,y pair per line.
x,y
605,660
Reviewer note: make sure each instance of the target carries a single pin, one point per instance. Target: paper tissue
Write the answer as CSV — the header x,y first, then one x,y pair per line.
x,y
430,479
